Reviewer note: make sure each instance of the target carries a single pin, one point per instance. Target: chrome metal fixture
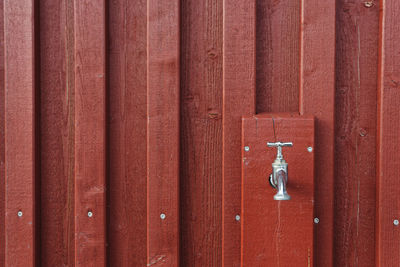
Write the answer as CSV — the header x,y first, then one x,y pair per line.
x,y
279,177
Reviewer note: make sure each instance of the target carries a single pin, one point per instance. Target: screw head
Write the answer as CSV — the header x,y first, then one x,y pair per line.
x,y
363,132
162,216
246,148
90,214
396,222
309,149
316,220
237,217
368,3
19,213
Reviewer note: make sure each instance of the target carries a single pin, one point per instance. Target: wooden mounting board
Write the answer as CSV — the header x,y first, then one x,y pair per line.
x,y
277,233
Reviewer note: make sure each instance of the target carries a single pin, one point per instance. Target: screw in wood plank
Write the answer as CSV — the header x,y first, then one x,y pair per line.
x,y
90,214
237,217
162,216
246,148
309,149
363,132
19,213
396,222
368,3
316,220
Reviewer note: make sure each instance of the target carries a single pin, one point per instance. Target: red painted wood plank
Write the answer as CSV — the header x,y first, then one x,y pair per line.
x,y
19,132
56,133
355,132
2,139
317,92
89,132
277,63
127,229
277,233
163,132
238,100
388,204
201,133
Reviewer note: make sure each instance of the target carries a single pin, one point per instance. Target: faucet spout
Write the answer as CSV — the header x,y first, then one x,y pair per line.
x,y
282,178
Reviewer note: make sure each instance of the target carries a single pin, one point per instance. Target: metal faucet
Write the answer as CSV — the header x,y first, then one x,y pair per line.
x,y
279,177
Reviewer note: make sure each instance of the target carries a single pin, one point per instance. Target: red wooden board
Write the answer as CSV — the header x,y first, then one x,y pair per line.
x,y
127,146
355,132
388,173
317,97
277,67
19,133
56,133
2,143
90,133
201,133
239,100
163,133
277,233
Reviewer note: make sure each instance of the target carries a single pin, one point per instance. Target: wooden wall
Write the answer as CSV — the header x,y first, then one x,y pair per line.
x,y
120,126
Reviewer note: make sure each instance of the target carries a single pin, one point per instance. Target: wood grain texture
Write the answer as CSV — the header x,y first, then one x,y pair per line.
x,y
317,97
278,25
57,133
388,203
355,133
163,84
90,132
2,139
127,138
239,51
201,133
19,133
277,233
153,114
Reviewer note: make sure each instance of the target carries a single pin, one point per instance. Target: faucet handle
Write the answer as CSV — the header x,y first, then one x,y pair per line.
x,y
279,146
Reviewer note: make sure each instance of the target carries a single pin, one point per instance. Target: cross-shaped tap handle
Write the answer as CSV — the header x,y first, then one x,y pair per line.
x,y
279,146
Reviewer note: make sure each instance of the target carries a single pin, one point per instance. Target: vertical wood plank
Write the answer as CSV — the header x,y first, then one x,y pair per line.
x,y
57,133
357,36
19,132
89,132
317,93
201,133
388,204
127,139
2,143
238,100
163,132
277,62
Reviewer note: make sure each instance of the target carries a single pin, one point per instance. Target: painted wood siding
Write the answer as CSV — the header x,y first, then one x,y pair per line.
x,y
131,111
